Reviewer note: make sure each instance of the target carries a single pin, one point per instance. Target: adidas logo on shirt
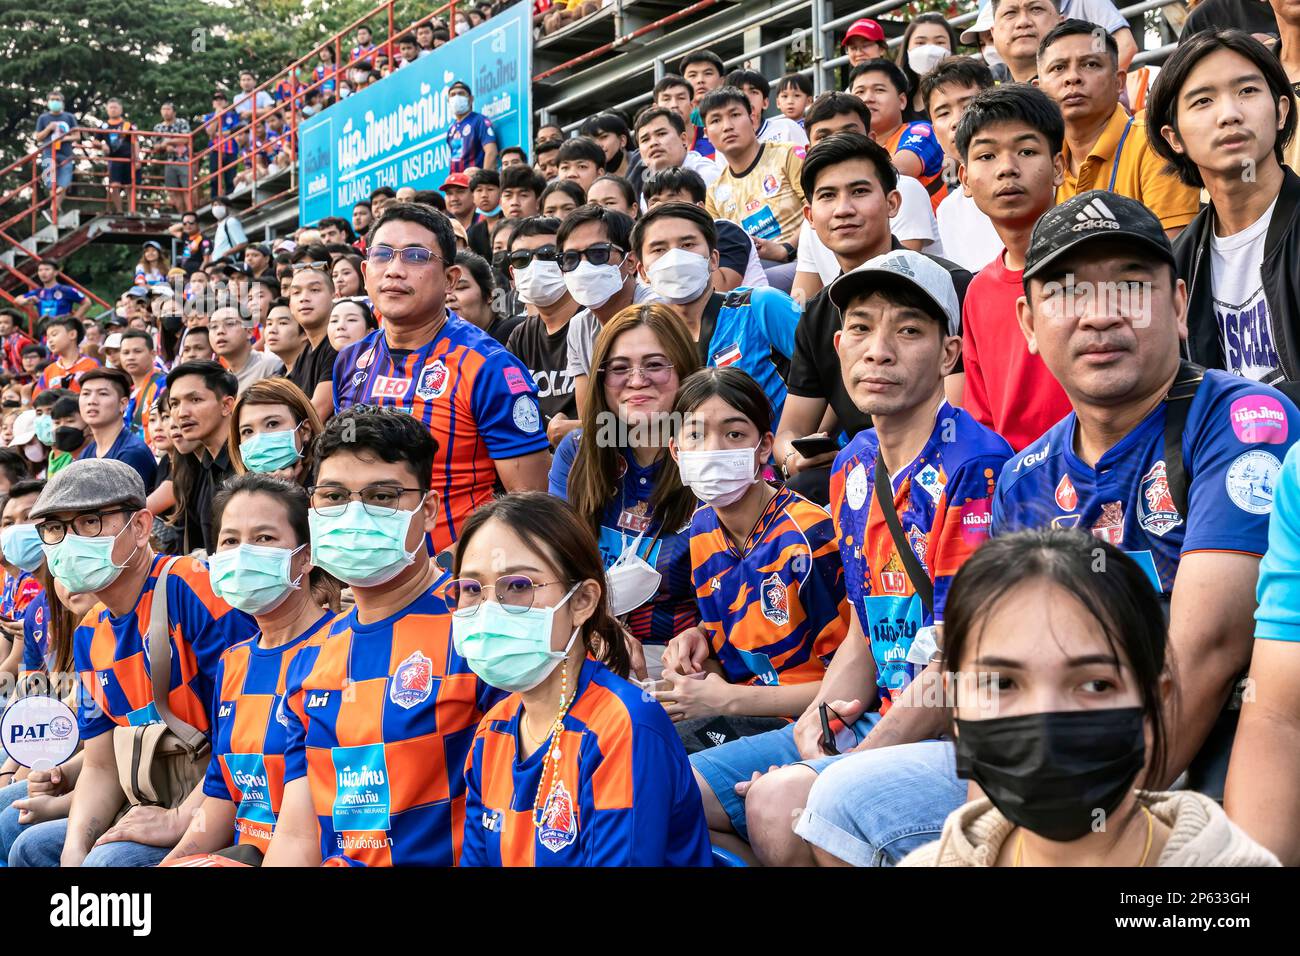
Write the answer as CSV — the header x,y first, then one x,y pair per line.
x,y
717,738
1095,215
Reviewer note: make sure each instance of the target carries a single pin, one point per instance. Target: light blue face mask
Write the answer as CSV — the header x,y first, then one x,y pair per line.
x,y
22,546
270,451
45,430
361,549
253,578
83,565
459,103
509,650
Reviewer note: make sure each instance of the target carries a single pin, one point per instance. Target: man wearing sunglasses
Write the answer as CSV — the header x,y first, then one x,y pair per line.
x,y
94,527
601,275
541,341
381,711
476,399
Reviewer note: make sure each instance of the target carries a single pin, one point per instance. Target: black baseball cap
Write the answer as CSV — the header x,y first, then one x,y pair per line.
x,y
1087,217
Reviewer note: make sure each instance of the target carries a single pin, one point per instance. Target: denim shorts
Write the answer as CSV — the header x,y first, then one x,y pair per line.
x,y
724,767
873,808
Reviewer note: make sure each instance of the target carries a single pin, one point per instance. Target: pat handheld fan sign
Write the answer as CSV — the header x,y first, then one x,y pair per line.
x,y
39,732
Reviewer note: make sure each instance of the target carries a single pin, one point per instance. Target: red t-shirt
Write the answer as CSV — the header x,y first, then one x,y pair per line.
x,y
1007,389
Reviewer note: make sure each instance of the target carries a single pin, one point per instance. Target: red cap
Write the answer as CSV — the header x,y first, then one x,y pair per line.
x,y
455,179
868,29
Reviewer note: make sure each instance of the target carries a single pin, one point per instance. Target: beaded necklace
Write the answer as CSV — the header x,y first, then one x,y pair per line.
x,y
552,755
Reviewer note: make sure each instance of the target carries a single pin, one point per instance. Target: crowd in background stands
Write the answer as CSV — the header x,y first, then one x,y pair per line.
x,y
702,486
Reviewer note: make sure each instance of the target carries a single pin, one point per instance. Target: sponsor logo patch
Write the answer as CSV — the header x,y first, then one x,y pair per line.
x,y
855,487
1066,497
1110,525
1258,420
1250,481
515,381
527,419
976,518
388,387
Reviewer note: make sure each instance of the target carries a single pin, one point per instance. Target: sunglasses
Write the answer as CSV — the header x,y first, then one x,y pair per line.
x,y
523,258
597,255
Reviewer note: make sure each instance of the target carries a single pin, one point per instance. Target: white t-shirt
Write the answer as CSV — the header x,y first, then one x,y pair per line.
x,y
782,129
584,327
1101,12
1240,308
969,238
244,103
915,220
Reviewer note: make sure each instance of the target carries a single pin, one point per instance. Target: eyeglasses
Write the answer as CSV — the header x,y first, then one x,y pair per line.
x,y
411,255
311,266
87,525
329,501
523,258
655,370
514,592
597,255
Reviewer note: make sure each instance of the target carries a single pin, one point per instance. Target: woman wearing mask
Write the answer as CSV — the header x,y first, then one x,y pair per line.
x,y
474,297
350,321
153,266
1058,721
271,429
29,427
347,277
262,562
767,573
926,41
537,625
616,472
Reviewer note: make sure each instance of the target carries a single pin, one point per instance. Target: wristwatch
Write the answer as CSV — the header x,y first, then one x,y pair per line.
x,y
791,252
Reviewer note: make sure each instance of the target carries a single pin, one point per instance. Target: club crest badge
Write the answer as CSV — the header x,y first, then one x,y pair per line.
x,y
412,682
433,381
775,600
559,823
1157,512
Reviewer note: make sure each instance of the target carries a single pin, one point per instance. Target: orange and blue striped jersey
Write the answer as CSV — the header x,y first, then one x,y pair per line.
x,y
381,717
19,591
111,656
477,400
57,375
247,766
143,398
943,500
774,609
624,794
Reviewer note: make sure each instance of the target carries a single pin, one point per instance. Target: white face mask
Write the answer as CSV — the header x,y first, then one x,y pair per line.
x,y
218,212
718,478
630,581
593,286
922,59
540,283
680,276
459,104
991,56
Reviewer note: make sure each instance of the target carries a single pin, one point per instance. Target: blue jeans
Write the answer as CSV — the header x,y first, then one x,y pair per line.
x,y
875,807
9,825
42,845
725,766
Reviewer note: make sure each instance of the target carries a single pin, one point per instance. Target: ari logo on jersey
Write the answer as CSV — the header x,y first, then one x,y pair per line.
x,y
559,823
1157,512
412,682
775,600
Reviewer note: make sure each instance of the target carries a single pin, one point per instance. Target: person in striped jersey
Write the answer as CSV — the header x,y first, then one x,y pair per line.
x,y
766,569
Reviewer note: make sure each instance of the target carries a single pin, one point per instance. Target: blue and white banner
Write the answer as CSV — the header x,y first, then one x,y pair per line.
x,y
394,133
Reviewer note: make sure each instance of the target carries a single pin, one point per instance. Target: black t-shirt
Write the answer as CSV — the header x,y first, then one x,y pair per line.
x,y
503,326
815,367
1253,16
480,237
314,366
547,357
212,473
734,246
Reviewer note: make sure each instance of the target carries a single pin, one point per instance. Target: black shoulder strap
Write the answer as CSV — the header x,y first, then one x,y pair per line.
x,y
921,582
1177,404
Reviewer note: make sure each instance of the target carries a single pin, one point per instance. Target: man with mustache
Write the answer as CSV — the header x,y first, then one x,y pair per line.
x,y
1009,140
1172,463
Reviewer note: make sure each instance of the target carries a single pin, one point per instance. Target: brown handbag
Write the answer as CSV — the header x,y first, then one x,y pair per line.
x,y
160,764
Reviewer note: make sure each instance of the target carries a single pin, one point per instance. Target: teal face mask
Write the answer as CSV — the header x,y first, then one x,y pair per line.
x,y
361,549
270,451
509,650
45,430
22,546
253,578
83,565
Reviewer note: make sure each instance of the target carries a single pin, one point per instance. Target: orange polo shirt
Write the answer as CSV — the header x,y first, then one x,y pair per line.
x,y
1123,161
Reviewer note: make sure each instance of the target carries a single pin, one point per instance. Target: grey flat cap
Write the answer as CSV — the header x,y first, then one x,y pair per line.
x,y
89,484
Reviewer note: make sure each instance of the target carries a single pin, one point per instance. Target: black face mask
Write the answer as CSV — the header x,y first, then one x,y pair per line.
x,y
68,438
11,403
614,162
173,323
1050,773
